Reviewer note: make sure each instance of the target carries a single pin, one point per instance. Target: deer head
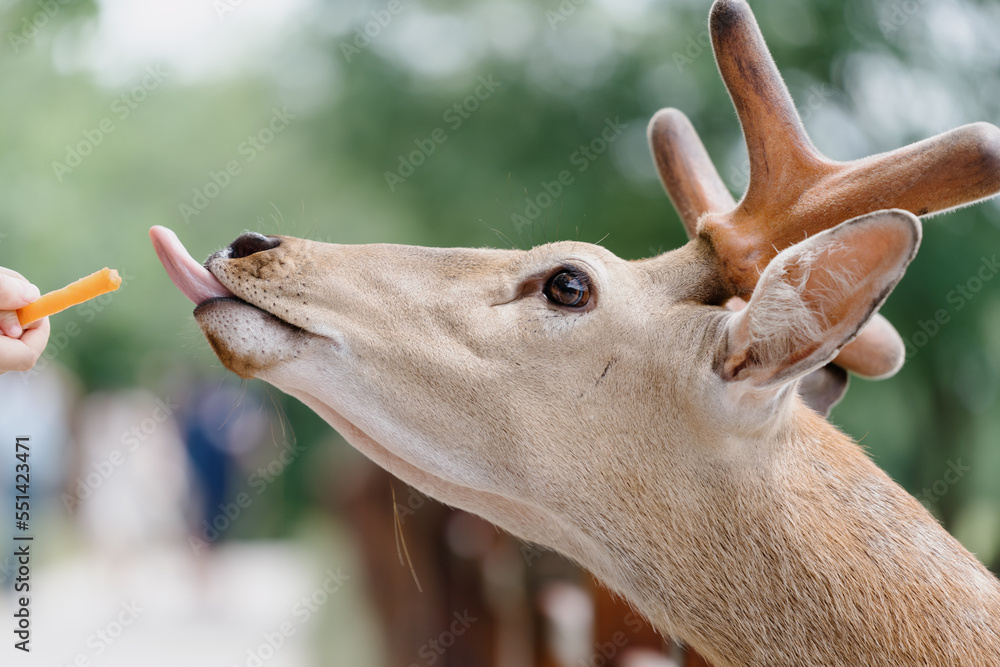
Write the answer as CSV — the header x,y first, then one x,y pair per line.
x,y
618,412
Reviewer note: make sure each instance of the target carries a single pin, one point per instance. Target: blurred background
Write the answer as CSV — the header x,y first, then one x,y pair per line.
x,y
184,517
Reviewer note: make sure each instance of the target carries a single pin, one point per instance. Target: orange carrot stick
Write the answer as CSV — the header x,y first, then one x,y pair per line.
x,y
98,283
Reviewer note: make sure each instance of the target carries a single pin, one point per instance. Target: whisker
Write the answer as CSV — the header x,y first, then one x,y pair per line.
x,y
401,540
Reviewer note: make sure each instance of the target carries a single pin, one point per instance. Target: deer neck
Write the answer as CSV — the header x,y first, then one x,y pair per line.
x,y
810,554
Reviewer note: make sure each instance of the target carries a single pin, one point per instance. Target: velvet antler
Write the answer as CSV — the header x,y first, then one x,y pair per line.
x,y
794,190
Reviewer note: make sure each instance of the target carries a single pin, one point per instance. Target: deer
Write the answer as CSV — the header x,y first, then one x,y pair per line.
x,y
650,419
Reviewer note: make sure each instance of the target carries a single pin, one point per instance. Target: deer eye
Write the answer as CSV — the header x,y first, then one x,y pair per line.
x,y
569,288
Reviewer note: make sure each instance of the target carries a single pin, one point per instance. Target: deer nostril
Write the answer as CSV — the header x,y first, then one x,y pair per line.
x,y
250,243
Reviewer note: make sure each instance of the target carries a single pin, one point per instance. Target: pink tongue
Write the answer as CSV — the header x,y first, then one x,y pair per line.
x,y
189,276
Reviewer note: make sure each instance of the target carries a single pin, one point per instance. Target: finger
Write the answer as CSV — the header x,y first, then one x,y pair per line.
x,y
36,337
16,292
10,326
11,272
15,355
35,324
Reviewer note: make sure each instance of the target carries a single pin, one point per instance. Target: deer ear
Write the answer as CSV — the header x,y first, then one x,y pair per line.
x,y
814,298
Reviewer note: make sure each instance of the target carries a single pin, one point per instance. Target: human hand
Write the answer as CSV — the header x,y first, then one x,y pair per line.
x,y
19,347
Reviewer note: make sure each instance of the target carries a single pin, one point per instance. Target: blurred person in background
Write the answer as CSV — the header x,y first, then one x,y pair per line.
x,y
222,435
211,439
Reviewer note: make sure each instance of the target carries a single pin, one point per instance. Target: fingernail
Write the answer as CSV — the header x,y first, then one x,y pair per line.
x,y
16,330
29,292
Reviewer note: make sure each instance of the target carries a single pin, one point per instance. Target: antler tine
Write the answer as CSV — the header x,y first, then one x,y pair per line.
x,y
779,148
686,170
951,169
878,352
783,162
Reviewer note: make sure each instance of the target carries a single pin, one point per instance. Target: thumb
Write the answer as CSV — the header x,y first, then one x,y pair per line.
x,y
15,293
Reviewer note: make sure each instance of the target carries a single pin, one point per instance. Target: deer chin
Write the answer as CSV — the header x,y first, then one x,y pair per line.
x,y
248,340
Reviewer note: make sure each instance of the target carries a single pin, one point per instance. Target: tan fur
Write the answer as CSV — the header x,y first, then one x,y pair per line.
x,y
656,437
736,520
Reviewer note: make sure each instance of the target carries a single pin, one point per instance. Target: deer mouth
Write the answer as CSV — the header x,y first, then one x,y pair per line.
x,y
246,338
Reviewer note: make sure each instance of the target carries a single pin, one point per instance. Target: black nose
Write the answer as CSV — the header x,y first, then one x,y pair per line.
x,y
251,242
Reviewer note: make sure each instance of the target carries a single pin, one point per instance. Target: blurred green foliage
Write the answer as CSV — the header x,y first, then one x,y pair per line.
x,y
886,75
